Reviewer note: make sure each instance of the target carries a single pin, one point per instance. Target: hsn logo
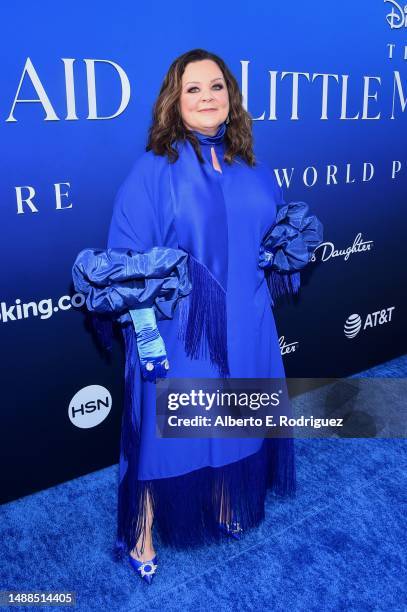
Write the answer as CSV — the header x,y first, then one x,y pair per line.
x,y
90,406
353,323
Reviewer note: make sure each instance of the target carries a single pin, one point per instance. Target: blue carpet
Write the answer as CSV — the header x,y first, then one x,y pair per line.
x,y
339,545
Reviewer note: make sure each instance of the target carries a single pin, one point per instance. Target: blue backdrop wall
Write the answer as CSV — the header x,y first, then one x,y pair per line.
x,y
326,86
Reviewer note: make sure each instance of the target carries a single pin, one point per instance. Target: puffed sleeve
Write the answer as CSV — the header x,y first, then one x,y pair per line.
x,y
118,280
143,219
141,266
288,246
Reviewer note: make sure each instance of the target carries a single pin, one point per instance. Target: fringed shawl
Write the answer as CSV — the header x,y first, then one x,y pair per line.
x,y
194,275
188,272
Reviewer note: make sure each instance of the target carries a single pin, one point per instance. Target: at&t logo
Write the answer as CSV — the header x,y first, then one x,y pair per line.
x,y
354,324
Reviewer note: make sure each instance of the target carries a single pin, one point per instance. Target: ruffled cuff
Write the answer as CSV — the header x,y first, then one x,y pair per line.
x,y
289,244
118,280
288,247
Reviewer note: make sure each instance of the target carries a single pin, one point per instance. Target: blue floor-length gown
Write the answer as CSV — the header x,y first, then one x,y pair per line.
x,y
186,478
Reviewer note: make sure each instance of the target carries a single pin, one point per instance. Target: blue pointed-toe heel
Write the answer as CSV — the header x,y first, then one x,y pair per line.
x,y
232,529
145,569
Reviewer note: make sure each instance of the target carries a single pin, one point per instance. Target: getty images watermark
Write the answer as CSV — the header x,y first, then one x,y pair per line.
x,y
281,407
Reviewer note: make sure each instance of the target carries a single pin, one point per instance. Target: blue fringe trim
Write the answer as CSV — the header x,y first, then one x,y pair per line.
x,y
103,328
280,283
187,508
132,493
203,321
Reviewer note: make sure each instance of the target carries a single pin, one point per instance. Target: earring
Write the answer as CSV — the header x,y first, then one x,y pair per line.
x,y
227,119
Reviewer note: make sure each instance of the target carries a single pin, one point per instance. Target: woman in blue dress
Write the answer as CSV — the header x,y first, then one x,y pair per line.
x,y
200,244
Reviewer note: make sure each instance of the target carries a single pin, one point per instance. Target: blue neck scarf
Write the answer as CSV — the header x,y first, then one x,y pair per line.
x,y
212,140
201,226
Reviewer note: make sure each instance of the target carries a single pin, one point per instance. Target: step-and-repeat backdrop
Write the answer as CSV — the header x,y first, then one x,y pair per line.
x,y
326,86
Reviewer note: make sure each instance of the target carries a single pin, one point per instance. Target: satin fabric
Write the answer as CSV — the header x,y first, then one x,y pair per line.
x,y
219,220
118,280
150,346
288,246
216,221
150,211
200,215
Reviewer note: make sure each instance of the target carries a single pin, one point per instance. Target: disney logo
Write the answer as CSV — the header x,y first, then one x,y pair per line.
x,y
397,18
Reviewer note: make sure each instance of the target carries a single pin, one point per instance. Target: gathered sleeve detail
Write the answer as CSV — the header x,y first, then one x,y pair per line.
x,y
142,266
288,246
118,280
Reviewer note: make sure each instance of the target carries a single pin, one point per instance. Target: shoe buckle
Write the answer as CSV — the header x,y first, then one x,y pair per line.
x,y
147,568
